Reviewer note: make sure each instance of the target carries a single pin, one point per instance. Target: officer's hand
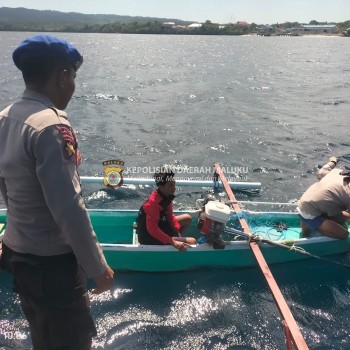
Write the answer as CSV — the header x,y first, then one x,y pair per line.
x,y
333,159
104,281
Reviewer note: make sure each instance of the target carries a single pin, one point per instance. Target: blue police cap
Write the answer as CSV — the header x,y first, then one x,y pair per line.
x,y
46,46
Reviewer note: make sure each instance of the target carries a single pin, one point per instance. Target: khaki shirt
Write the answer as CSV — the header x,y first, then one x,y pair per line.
x,y
40,184
330,196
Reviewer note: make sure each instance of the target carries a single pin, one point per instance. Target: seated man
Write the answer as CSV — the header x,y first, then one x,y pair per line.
x,y
324,206
156,222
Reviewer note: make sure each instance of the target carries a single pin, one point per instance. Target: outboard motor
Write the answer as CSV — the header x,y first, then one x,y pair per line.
x,y
212,220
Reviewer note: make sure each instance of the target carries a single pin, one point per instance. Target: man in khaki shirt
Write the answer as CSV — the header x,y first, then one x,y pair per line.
x,y
49,244
325,205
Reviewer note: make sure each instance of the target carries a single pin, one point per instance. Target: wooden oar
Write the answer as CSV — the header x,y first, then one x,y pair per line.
x,y
291,328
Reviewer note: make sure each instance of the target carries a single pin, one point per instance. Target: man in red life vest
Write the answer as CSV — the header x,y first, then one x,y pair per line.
x,y
156,222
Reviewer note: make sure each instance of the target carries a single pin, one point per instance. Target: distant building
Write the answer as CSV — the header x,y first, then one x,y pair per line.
x,y
315,29
243,23
169,24
195,25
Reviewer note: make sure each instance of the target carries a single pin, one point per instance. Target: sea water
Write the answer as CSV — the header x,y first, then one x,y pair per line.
x,y
269,110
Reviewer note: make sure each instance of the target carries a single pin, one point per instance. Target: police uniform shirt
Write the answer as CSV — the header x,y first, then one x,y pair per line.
x,y
40,184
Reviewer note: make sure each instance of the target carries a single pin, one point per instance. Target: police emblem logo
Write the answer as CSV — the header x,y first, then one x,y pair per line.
x,y
113,177
69,149
69,142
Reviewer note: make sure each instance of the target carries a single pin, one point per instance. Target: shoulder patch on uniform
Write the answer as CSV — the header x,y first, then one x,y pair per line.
x,y
69,143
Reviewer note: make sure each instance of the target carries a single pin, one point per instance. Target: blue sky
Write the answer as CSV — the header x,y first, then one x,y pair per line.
x,y
218,11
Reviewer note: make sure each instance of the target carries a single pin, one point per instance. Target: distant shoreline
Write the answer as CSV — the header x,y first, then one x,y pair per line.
x,y
180,33
323,35
30,20
300,35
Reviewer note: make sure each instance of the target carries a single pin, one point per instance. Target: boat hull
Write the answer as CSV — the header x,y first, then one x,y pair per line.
x,y
235,255
115,234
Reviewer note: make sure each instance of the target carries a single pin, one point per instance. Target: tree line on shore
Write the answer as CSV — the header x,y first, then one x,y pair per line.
x,y
153,27
21,19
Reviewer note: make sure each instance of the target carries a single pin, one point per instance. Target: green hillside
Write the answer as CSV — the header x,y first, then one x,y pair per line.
x,y
27,19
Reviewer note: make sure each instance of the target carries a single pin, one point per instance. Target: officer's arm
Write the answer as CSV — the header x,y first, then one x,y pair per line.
x,y
57,173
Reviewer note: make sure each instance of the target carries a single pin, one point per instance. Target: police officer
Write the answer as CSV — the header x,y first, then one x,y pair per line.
x,y
49,244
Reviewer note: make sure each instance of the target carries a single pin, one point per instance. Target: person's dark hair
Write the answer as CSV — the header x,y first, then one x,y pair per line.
x,y
39,70
208,198
163,176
